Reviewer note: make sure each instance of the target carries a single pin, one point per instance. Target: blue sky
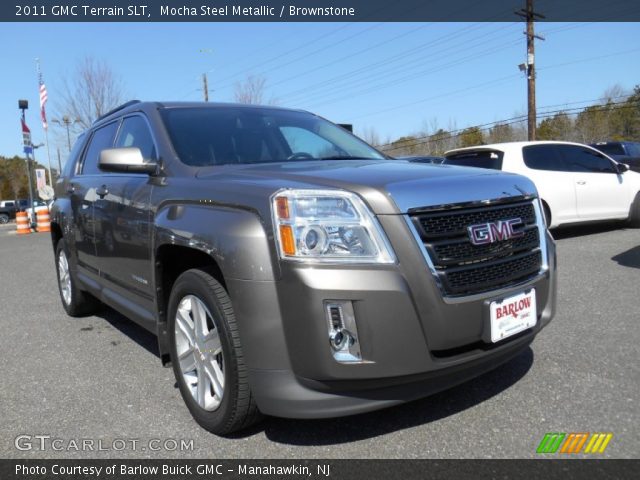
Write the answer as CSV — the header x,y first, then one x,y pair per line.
x,y
397,78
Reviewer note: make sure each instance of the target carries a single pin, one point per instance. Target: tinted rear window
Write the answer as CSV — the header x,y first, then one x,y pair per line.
x,y
482,159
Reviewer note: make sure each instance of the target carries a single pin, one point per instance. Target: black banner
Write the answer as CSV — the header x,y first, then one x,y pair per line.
x,y
314,10
318,469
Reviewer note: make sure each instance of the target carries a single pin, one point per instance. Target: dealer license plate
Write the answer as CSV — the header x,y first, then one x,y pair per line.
x,y
512,315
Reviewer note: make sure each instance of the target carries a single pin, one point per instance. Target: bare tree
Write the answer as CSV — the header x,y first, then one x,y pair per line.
x,y
370,135
89,92
252,91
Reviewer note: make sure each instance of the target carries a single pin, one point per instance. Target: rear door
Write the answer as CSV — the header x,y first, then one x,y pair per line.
x,y
123,242
82,189
546,166
601,191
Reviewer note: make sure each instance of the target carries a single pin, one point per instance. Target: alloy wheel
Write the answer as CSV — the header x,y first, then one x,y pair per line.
x,y
199,352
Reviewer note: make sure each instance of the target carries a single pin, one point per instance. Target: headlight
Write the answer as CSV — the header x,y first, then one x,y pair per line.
x,y
328,226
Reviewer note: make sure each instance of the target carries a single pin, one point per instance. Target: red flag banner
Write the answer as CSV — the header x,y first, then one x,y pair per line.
x,y
26,133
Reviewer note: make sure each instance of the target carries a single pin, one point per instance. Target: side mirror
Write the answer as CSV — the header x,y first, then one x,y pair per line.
x,y
622,167
126,160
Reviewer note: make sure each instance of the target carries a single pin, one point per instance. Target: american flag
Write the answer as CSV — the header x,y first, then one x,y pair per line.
x,y
43,101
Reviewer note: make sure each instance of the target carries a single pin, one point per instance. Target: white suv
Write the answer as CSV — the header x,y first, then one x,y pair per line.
x,y
576,183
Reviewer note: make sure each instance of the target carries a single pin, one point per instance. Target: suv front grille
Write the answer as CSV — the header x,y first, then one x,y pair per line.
x,y
464,268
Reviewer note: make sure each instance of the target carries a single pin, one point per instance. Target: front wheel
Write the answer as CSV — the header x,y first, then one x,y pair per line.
x,y
4,218
206,354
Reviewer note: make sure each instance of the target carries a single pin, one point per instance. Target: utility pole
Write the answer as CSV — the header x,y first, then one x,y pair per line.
x,y
59,163
530,16
205,87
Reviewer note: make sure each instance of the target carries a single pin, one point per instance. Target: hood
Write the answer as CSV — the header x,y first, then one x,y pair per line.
x,y
388,186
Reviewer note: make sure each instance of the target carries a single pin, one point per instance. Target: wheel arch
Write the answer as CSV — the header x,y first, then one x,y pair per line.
x,y
227,242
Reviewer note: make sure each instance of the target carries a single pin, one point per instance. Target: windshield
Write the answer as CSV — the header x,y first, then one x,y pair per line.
x,y
240,135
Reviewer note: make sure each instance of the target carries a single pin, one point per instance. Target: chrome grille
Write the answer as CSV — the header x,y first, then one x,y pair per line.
x,y
463,268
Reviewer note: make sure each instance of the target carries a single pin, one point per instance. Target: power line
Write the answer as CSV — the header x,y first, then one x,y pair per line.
x,y
514,120
299,47
386,62
412,76
422,100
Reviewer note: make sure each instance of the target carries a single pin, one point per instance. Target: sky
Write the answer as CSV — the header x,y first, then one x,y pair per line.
x,y
395,78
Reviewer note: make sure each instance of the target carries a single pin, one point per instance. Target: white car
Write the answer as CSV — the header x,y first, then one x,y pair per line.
x,y
576,183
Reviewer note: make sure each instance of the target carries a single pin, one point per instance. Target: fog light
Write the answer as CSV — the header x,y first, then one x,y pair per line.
x,y
343,332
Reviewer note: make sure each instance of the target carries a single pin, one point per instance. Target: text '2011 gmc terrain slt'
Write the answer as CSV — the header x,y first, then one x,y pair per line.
x,y
290,269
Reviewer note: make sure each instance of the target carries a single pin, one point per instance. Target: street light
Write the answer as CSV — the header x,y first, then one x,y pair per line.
x,y
24,105
67,122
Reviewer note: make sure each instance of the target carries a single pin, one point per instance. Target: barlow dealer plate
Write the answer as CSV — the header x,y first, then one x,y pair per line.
x,y
512,315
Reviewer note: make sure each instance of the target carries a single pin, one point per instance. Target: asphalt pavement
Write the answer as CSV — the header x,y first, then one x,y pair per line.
x,y
99,379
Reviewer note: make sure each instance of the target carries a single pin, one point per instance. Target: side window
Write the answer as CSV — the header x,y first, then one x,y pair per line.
x,y
70,165
135,133
544,157
101,139
301,140
586,160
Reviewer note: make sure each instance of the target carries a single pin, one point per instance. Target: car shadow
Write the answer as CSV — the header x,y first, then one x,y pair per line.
x,y
335,431
582,230
135,332
629,258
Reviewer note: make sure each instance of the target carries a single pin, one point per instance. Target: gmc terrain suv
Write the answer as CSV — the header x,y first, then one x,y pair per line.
x,y
290,269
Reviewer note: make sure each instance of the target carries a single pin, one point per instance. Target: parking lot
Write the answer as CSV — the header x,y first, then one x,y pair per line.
x,y
100,377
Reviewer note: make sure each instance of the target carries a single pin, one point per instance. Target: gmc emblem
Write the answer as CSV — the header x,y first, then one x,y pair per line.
x,y
490,232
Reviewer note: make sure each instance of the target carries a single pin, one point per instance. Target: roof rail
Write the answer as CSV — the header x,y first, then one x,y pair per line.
x,y
118,108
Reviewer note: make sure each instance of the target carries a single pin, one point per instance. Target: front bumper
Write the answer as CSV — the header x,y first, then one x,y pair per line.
x,y
282,394
414,341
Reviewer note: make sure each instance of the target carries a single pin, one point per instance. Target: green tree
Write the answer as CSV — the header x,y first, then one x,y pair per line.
x,y
407,145
558,127
471,136
501,133
13,177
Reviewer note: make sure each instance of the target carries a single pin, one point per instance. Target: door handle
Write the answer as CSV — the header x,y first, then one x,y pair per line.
x,y
71,188
581,182
102,191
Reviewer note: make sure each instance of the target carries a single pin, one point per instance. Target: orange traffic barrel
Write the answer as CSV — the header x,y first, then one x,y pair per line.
x,y
44,224
22,223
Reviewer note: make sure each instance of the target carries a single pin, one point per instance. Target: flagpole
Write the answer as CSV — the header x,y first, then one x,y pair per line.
x,y
45,127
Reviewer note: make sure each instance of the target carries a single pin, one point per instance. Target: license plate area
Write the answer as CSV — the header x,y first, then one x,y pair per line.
x,y
512,315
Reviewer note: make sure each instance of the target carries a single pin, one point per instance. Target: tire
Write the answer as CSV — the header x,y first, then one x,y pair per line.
x,y
76,302
4,218
634,213
206,354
